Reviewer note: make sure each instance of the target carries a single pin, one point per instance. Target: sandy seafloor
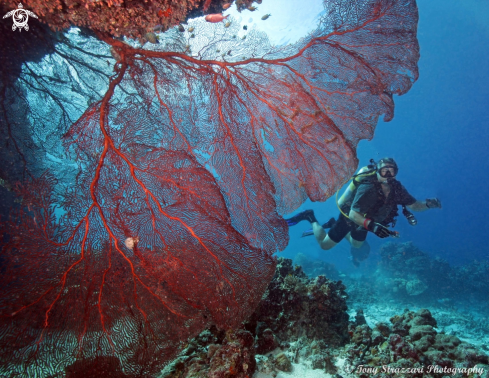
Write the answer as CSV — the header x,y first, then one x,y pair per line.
x,y
460,321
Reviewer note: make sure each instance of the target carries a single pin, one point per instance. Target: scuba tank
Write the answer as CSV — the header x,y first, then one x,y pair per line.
x,y
370,170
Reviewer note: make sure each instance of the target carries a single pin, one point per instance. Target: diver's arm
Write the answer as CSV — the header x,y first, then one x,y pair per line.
x,y
377,228
358,218
418,206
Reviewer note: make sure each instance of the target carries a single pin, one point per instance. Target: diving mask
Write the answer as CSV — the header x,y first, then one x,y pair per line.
x,y
388,171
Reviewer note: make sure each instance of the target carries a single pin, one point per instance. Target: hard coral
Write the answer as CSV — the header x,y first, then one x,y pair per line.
x,y
313,308
231,354
235,358
306,309
412,343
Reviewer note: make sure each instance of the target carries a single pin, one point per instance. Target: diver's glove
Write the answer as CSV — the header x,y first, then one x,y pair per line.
x,y
378,229
433,203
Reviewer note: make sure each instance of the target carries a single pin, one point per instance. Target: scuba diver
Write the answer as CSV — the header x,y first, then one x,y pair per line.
x,y
369,204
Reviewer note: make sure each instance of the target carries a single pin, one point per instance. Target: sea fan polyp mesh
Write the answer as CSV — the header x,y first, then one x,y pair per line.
x,y
156,211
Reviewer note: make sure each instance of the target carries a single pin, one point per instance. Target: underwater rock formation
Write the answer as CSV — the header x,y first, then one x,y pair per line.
x,y
471,280
404,259
405,270
234,358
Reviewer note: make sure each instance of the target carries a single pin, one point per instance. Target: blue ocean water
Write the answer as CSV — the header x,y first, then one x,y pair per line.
x,y
440,139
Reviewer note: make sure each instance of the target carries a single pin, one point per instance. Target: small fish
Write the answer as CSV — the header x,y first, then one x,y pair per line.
x,y
226,6
181,29
266,16
192,35
151,37
227,24
191,29
216,17
115,54
229,52
252,9
244,37
245,27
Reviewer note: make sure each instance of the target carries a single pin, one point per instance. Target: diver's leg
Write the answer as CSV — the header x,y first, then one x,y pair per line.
x,y
360,249
322,237
354,243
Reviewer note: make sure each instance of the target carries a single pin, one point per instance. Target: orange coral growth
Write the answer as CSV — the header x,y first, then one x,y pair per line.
x,y
166,13
120,17
116,17
207,4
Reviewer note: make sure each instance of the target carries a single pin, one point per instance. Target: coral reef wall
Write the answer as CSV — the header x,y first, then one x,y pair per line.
x,y
279,334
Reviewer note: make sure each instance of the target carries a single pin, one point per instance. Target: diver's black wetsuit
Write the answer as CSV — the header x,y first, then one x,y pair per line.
x,y
369,200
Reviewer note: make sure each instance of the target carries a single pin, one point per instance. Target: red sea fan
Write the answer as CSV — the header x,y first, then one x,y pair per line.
x,y
195,149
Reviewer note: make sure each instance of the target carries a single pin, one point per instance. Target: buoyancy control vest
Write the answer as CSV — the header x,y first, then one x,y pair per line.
x,y
368,174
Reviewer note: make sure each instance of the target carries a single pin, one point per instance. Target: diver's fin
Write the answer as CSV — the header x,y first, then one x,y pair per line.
x,y
359,254
303,215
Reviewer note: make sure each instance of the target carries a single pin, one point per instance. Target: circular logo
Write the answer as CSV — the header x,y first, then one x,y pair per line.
x,y
20,17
